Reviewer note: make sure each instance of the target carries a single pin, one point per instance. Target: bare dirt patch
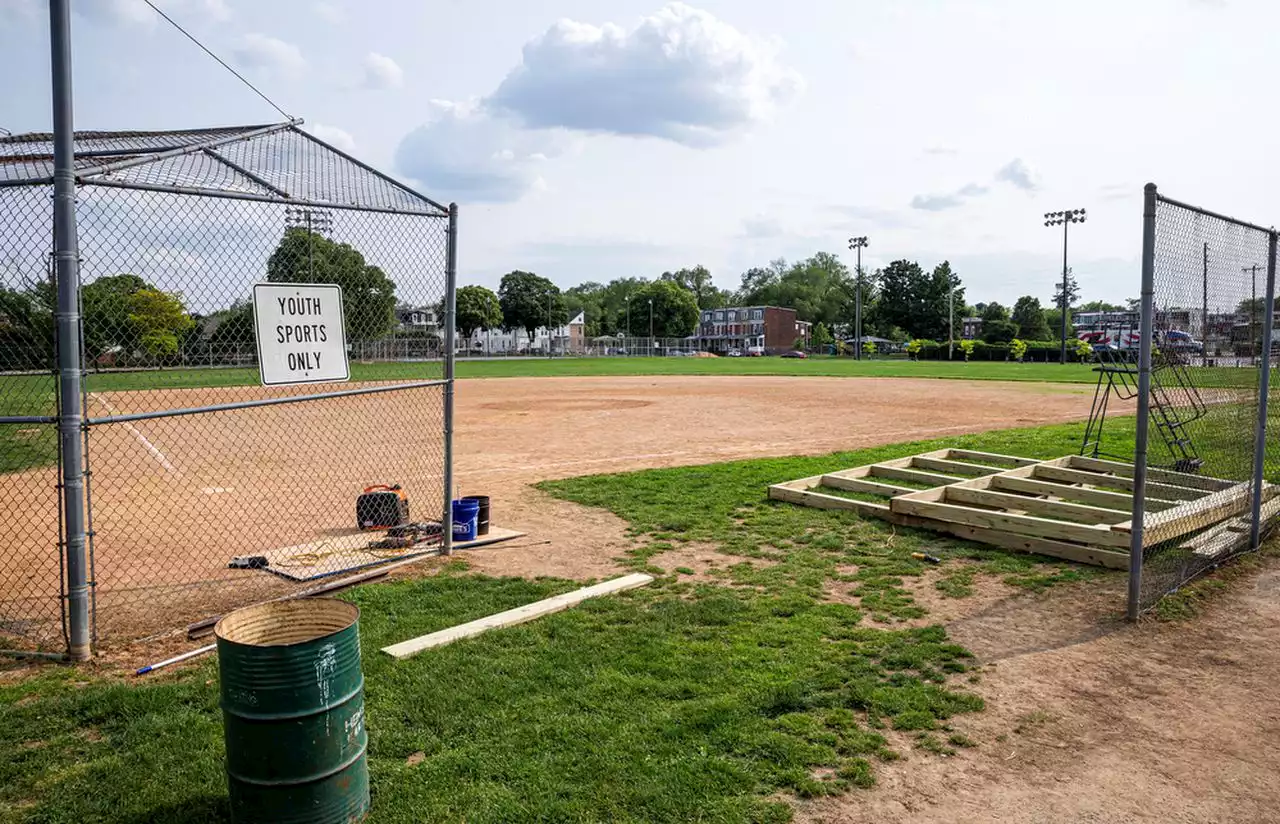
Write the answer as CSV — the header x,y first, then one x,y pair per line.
x,y
1092,720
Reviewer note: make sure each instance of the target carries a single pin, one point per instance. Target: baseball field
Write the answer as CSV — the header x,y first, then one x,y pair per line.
x,y
789,663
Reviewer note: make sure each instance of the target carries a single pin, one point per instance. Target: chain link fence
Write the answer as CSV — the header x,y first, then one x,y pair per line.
x,y
207,488
1207,408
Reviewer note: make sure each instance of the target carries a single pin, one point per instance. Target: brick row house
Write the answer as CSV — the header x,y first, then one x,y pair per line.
x,y
770,330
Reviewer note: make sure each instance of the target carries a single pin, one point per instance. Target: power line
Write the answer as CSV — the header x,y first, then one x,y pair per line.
x,y
221,62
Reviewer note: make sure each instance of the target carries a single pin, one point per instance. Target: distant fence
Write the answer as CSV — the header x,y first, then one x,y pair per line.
x,y
1207,416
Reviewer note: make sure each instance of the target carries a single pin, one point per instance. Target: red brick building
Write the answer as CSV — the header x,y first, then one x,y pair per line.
x,y
772,329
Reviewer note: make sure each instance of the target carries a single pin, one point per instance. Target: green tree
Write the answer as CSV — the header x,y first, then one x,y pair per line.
x,y
994,311
1100,306
26,327
820,288
368,295
586,298
916,301
698,281
529,301
231,330
105,310
675,310
1072,294
820,337
476,308
159,321
1029,315
1000,330
613,304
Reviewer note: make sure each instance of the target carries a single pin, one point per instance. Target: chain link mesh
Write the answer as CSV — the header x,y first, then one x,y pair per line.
x,y
190,461
1210,276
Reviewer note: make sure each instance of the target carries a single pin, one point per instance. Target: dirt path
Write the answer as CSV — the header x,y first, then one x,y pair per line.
x,y
1092,720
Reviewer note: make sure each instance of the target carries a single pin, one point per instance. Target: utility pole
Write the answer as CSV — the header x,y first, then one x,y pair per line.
x,y
951,318
548,324
1253,309
626,347
1204,309
858,244
1065,219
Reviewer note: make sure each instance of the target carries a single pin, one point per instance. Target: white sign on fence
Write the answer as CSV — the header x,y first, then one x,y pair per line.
x,y
300,332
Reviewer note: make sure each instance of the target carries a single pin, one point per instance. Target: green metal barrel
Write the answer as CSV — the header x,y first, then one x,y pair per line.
x,y
293,712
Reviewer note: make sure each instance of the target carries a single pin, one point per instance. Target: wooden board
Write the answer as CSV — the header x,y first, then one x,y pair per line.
x,y
1125,470
953,467
1021,543
350,552
1080,476
1077,513
512,617
1099,535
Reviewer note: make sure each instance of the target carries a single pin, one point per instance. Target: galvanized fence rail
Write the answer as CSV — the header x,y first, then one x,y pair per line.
x,y
147,450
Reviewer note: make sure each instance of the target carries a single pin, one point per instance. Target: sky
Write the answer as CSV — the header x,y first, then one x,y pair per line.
x,y
595,139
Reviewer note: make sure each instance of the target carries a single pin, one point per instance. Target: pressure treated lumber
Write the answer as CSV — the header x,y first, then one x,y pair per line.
x,y
519,615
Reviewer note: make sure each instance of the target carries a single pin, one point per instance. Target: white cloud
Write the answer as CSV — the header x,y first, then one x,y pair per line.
x,y
936,203
467,153
973,190
680,74
330,12
258,51
1019,174
338,138
381,72
939,150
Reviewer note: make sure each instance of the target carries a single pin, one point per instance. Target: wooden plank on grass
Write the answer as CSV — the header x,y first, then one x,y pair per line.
x,y
1022,543
519,615
819,500
1079,476
1077,513
1094,497
954,467
989,457
1009,522
838,481
901,473
1125,470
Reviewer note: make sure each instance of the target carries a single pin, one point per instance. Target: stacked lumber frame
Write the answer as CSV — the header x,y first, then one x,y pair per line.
x,y
1075,508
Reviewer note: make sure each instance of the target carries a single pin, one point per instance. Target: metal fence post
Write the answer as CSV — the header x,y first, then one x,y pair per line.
x,y
1264,389
1144,399
66,254
450,308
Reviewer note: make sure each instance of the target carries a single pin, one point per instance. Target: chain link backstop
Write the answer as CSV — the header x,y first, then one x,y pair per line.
x,y
1207,416
194,469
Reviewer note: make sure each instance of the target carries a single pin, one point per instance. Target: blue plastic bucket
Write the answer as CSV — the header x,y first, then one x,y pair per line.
x,y
464,519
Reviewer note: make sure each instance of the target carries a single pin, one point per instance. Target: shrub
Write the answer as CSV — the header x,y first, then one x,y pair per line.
x,y
967,346
1018,348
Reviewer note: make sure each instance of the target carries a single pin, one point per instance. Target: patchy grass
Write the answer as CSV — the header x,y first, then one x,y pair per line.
x,y
805,548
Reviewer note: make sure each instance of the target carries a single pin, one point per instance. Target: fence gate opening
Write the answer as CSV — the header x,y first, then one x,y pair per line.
x,y
217,436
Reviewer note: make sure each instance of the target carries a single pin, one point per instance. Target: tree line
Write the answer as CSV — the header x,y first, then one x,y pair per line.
x,y
900,301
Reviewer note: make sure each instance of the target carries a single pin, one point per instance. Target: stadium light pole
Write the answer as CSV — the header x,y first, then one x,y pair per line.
x,y
650,326
1064,219
857,244
627,300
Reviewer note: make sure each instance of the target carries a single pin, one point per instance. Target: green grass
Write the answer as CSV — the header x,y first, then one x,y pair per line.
x,y
680,701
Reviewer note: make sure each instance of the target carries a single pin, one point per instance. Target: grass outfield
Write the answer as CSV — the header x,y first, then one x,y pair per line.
x,y
714,700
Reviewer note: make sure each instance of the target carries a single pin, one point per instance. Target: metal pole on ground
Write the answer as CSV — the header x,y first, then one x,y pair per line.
x,y
66,255
858,244
1264,389
1136,534
450,314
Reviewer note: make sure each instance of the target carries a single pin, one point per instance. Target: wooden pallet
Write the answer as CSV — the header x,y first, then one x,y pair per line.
x,y
1075,508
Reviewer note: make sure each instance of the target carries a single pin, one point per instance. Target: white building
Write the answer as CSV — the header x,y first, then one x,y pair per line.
x,y
568,339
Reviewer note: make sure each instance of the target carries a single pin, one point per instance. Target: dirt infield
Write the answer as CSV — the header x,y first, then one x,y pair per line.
x,y
176,498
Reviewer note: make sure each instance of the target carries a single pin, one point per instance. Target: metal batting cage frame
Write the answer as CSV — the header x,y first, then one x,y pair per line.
x,y
146,472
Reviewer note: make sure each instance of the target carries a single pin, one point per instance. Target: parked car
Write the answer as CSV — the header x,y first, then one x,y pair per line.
x,y
794,353
734,353
755,351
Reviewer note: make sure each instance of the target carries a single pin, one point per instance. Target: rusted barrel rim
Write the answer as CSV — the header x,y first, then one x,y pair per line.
x,y
286,623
